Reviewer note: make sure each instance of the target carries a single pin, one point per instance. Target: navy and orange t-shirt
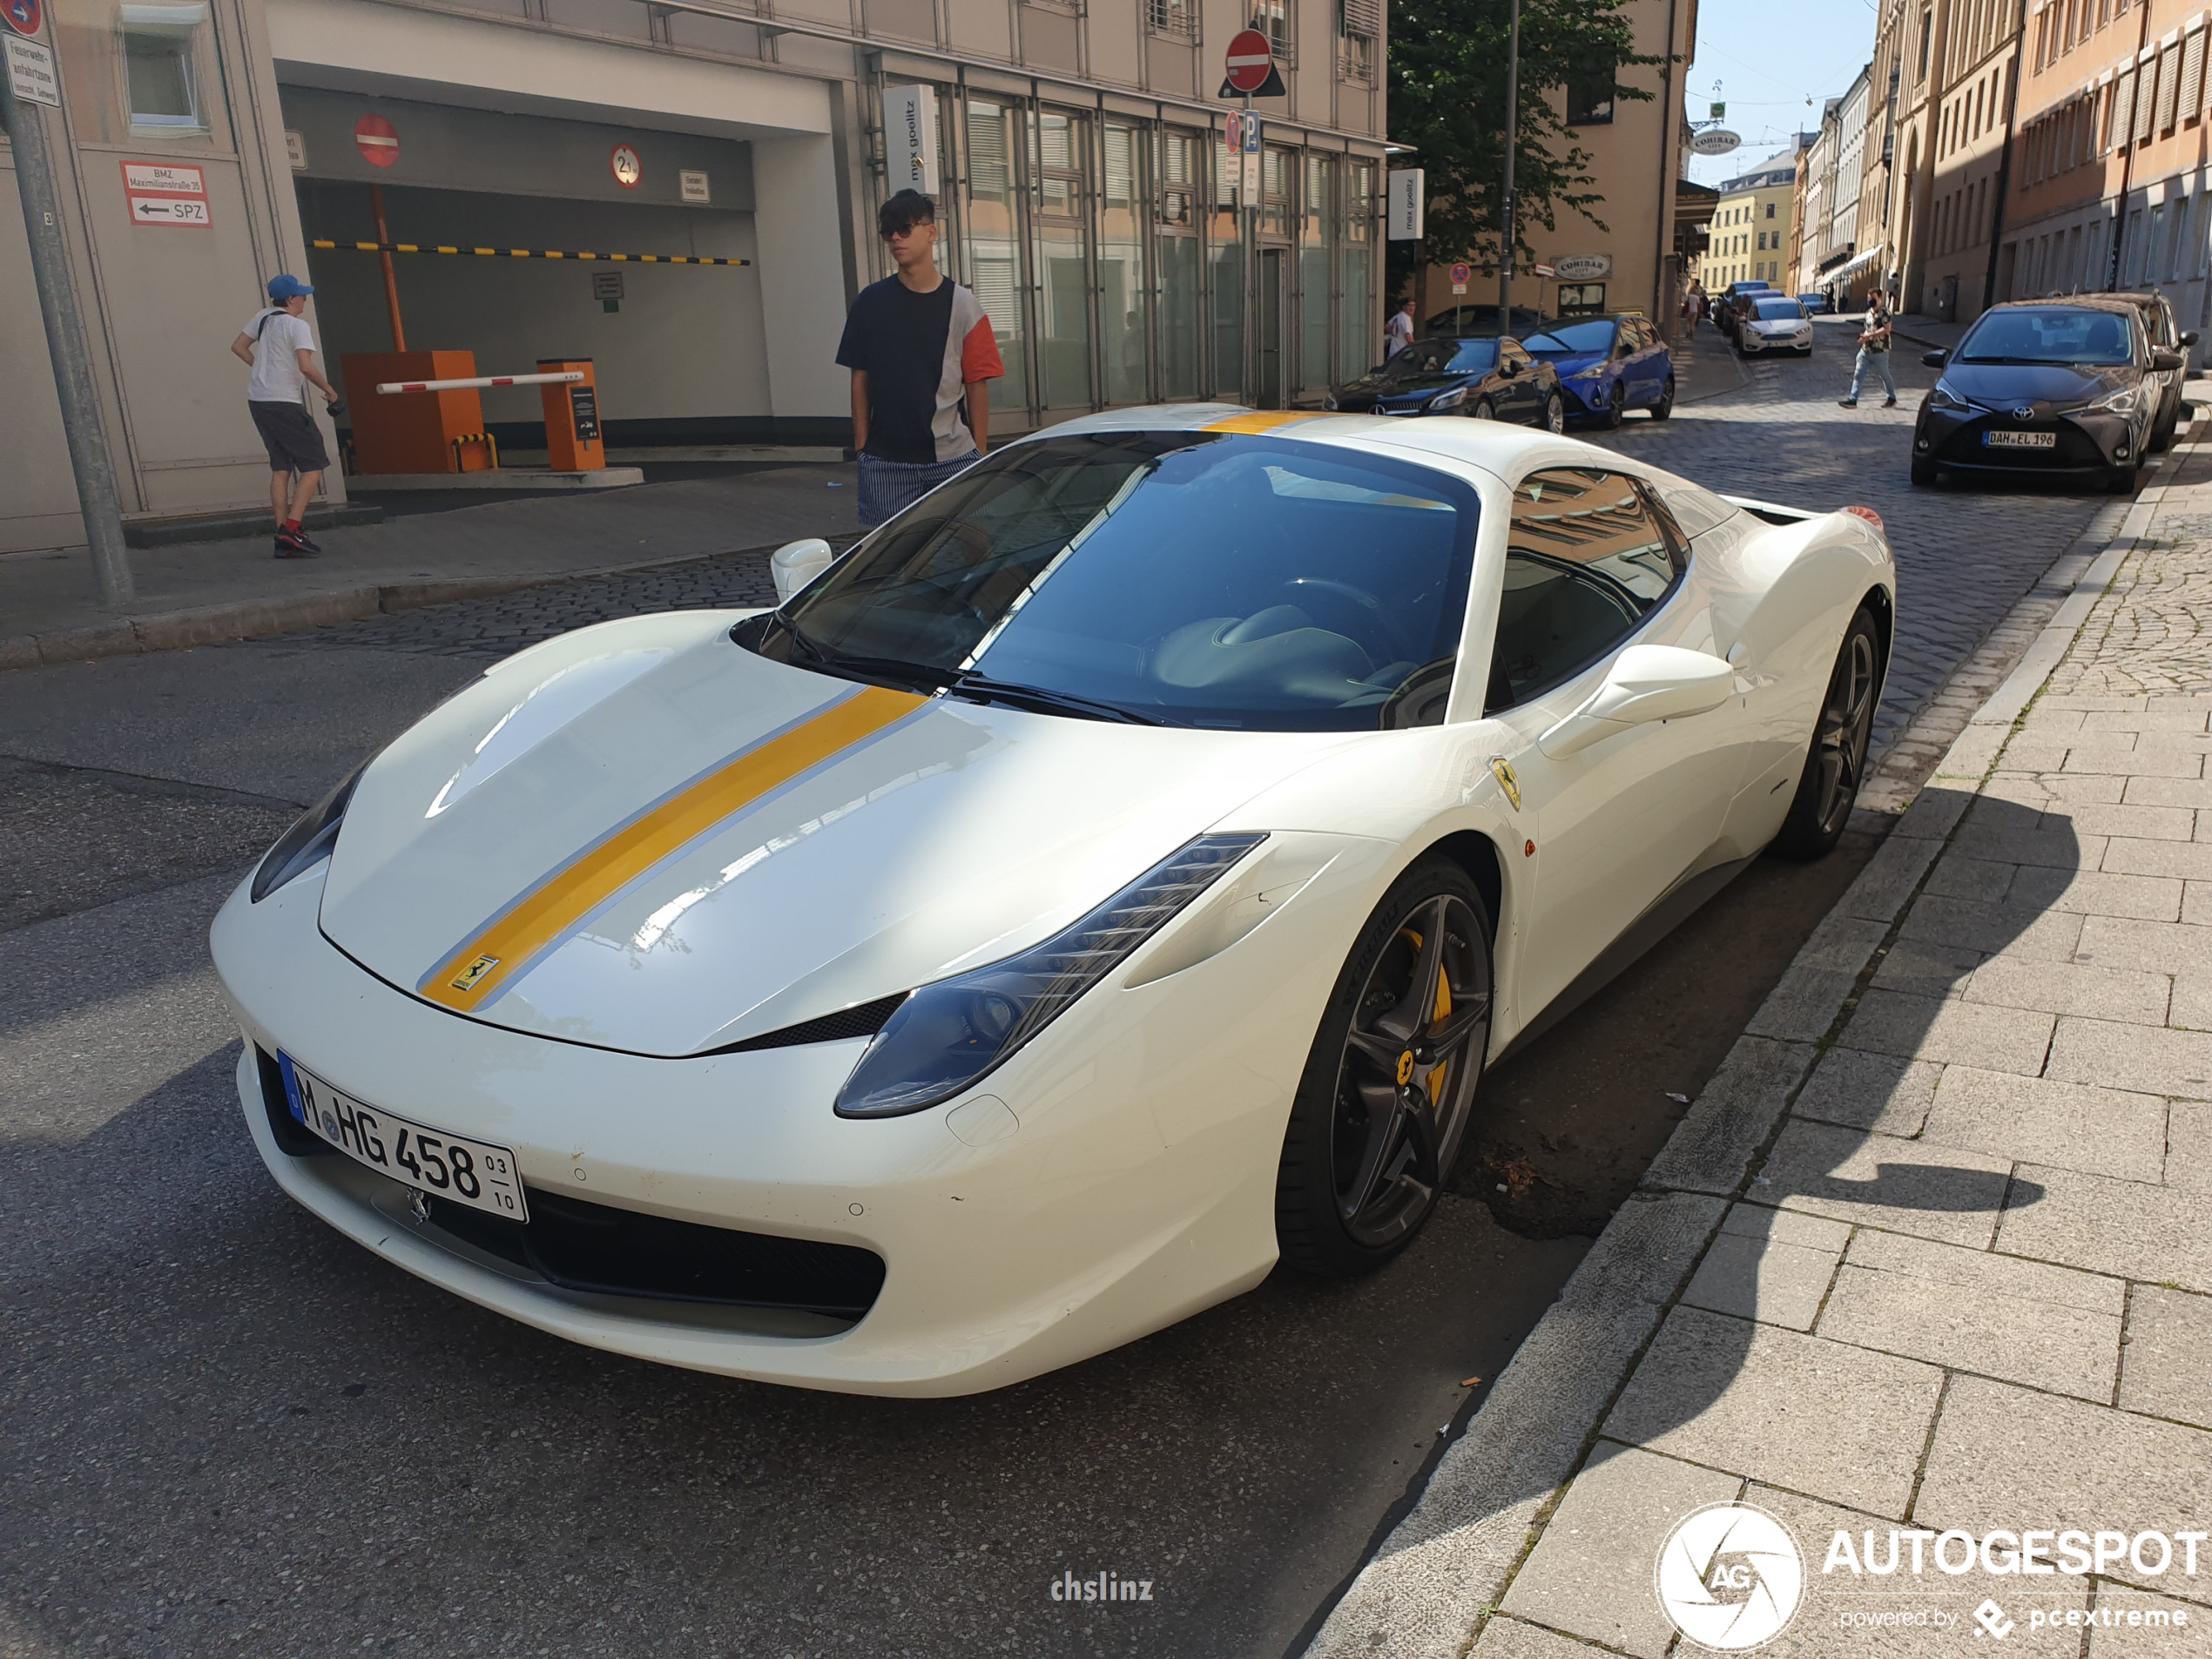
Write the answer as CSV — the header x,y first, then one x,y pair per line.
x,y
919,351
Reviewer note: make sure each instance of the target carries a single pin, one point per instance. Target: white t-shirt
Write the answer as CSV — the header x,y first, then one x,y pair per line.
x,y
1399,333
280,339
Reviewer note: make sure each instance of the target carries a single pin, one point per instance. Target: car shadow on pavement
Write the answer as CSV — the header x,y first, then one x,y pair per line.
x,y
1892,1116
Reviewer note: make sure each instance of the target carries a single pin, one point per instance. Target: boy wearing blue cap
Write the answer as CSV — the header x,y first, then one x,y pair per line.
x,y
279,347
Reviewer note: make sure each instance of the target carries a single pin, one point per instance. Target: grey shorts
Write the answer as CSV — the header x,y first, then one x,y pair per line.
x,y
888,488
292,439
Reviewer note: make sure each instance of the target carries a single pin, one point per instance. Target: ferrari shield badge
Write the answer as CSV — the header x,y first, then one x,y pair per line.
x,y
483,964
1502,769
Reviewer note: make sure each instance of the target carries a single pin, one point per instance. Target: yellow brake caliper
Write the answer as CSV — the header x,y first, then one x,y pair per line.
x,y
1443,1011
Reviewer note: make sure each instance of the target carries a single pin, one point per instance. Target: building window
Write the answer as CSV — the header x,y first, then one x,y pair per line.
x,y
1359,27
1589,98
1273,18
157,64
1770,210
1581,299
1177,19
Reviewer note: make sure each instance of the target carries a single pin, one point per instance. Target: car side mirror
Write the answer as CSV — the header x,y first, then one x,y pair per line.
x,y
796,564
2188,337
1646,683
2161,361
1935,359
1509,369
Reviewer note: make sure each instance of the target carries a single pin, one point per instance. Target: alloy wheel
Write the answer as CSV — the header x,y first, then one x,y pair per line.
x,y
1483,411
1406,1080
1846,722
1555,414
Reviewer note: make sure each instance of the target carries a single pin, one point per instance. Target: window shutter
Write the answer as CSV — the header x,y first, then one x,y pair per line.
x,y
1363,18
2146,100
2192,76
2170,84
2123,108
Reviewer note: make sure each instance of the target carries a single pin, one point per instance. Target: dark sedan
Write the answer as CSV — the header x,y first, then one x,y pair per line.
x,y
2045,387
1490,379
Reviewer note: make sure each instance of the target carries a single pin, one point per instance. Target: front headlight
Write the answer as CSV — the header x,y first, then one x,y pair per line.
x,y
1595,371
951,1034
2121,402
1450,400
308,842
1944,398
1329,402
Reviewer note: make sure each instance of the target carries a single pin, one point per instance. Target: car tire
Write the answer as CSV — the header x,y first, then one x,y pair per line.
x,y
1555,414
1616,401
2161,437
1373,1135
1835,757
2120,480
1484,410
1665,406
1924,472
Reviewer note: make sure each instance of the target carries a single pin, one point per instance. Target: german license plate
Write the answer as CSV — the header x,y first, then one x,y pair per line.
x,y
451,1167
2019,440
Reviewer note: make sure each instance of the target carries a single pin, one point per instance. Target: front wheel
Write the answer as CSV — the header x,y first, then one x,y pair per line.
x,y
1665,406
2120,480
1924,471
1484,410
1837,760
1390,1082
1616,401
1555,414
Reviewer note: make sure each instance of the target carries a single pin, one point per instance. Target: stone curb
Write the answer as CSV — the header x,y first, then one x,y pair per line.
x,y
1431,1581
258,618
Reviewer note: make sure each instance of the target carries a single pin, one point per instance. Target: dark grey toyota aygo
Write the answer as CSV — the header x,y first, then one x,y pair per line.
x,y
2047,387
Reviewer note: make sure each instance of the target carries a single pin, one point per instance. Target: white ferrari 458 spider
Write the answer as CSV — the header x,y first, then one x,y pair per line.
x,y
1109,878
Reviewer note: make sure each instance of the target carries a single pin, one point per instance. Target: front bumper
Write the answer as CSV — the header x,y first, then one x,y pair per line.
x,y
2085,443
1127,1183
1751,340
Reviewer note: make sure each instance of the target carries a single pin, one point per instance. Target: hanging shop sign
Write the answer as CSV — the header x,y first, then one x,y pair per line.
x,y
1409,204
910,138
1715,141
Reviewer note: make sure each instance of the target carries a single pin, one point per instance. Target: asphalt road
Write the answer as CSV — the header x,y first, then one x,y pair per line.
x,y
231,1431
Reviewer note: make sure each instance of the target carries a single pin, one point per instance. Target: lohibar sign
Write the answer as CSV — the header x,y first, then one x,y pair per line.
x,y
165,192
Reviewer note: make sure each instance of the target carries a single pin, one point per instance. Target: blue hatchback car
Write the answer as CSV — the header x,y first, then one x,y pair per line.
x,y
1607,366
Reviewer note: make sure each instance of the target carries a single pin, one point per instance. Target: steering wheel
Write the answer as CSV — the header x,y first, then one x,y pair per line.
x,y
1356,614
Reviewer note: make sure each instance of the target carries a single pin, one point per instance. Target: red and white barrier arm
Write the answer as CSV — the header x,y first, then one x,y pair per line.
x,y
390,386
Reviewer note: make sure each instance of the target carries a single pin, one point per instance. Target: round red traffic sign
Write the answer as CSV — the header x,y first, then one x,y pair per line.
x,y
24,16
1251,61
378,140
1460,274
627,166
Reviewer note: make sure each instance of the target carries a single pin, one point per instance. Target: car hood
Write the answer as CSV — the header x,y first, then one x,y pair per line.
x,y
1377,386
2006,385
645,837
1564,363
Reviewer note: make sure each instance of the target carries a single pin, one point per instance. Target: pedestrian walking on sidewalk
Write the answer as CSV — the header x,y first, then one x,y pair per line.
x,y
1397,332
279,347
922,356
1873,352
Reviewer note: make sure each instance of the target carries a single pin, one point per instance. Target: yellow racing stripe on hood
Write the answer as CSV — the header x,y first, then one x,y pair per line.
x,y
467,979
1263,420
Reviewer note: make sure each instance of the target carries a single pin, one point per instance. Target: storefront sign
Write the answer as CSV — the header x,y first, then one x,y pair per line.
x,y
1714,141
31,72
910,138
165,192
1408,204
1583,268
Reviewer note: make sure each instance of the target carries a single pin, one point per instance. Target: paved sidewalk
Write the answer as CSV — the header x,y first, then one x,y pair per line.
x,y
1934,1251
201,592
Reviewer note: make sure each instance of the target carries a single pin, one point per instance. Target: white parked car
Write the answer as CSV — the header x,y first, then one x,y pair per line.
x,y
1779,324
1109,879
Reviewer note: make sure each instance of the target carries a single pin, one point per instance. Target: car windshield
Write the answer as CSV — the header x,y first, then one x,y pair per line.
x,y
1186,578
1776,310
1594,335
1442,356
2093,339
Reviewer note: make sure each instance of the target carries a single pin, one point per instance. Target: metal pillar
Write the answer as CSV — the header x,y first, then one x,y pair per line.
x,y
1506,238
81,422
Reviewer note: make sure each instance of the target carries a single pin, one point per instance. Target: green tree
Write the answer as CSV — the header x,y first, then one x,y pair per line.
x,y
1447,100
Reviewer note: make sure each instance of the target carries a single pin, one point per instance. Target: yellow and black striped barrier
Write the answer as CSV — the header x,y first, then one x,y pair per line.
x,y
524,254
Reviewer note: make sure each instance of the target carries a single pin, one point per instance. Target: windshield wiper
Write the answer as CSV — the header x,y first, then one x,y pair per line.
x,y
2022,362
872,668
984,689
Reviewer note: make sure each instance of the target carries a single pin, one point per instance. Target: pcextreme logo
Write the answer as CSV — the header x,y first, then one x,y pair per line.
x,y
1730,1577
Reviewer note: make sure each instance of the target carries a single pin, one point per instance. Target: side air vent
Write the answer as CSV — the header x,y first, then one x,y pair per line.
x,y
863,1020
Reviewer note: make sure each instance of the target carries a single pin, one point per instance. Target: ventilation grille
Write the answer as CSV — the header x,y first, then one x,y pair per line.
x,y
864,1020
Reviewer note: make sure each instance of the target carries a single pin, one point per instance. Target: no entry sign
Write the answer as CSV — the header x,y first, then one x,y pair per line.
x,y
378,140
24,16
1251,61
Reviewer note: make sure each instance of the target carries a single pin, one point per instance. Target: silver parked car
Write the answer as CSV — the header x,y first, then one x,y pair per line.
x,y
1774,323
